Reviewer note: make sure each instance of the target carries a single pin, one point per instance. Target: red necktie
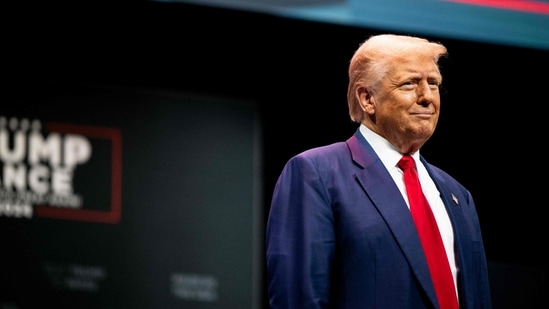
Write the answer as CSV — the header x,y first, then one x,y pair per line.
x,y
429,235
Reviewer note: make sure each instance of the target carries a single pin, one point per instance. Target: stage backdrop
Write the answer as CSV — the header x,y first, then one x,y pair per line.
x,y
125,198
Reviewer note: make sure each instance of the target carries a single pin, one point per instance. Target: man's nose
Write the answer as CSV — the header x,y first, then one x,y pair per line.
x,y
426,92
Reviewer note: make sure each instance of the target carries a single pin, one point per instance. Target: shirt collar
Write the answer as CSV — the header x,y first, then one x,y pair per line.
x,y
386,152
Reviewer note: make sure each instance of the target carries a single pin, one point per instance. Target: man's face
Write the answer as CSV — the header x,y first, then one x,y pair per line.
x,y
406,107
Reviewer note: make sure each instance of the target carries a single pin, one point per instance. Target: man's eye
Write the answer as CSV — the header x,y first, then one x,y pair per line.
x,y
408,85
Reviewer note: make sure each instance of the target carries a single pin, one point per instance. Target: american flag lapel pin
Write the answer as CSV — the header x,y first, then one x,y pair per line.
x,y
455,199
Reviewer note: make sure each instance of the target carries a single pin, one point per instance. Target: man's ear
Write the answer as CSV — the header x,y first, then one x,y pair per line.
x,y
365,99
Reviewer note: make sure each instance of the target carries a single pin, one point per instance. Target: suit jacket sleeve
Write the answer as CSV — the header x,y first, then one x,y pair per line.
x,y
301,239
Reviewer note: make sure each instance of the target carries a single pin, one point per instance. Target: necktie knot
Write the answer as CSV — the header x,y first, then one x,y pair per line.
x,y
406,162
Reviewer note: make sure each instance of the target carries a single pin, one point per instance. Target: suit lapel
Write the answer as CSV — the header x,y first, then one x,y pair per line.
x,y
388,200
452,202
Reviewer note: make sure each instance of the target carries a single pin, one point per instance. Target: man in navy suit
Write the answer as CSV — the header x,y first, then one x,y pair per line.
x,y
340,233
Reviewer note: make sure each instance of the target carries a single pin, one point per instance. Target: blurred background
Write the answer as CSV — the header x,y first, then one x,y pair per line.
x,y
140,141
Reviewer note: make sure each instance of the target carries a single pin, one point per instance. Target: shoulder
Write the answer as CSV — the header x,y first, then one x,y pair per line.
x,y
439,173
320,157
443,177
326,150
325,153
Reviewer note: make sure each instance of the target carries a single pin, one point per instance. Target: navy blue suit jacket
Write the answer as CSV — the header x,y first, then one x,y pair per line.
x,y
340,235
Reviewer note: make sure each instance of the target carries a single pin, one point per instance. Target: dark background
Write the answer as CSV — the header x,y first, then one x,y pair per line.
x,y
491,133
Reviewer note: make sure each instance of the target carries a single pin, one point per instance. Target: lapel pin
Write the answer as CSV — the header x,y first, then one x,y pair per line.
x,y
455,199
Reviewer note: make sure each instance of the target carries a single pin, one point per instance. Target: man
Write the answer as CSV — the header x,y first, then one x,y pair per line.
x,y
341,233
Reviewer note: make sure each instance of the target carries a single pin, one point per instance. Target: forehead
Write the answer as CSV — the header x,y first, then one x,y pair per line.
x,y
413,64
